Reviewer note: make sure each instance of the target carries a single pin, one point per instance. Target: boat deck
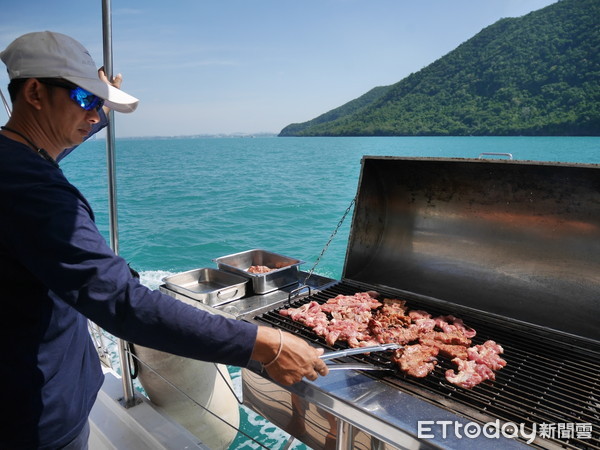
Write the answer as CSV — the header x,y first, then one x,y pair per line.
x,y
139,427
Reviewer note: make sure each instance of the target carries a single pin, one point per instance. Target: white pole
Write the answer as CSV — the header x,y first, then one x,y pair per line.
x,y
128,398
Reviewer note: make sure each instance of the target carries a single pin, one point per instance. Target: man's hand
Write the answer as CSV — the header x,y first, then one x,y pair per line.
x,y
288,358
116,81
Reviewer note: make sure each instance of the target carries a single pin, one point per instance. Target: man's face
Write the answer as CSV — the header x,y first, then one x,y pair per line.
x,y
69,123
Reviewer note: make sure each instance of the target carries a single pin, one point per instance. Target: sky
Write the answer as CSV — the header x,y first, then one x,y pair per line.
x,y
255,66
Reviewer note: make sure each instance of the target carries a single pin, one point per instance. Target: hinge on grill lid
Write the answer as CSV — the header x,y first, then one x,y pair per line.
x,y
312,269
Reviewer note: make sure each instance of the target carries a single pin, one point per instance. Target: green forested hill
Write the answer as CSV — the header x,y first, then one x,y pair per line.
x,y
534,75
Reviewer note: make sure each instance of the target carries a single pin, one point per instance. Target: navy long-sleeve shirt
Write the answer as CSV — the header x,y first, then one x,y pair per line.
x,y
56,271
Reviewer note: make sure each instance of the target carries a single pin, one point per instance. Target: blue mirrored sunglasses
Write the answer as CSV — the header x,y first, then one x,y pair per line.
x,y
83,98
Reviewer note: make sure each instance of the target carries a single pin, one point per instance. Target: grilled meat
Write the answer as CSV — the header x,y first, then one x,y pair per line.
x,y
448,350
454,337
362,320
350,315
309,314
416,360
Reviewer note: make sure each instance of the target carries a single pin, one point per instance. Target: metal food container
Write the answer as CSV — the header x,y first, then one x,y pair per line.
x,y
284,274
209,286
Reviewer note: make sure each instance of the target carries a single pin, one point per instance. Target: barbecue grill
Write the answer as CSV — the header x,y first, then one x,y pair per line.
x,y
512,248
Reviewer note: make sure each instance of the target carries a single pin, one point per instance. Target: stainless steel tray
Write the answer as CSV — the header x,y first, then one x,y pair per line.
x,y
284,274
210,286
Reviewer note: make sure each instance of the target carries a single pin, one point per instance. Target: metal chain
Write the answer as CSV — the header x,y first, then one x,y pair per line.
x,y
330,239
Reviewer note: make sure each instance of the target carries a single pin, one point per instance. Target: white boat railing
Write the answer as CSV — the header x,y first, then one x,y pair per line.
x,y
6,106
128,397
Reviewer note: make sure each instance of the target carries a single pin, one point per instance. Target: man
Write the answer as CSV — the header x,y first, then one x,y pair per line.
x,y
56,270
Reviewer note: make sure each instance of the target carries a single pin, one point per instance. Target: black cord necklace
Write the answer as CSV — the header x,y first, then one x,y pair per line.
x,y
43,153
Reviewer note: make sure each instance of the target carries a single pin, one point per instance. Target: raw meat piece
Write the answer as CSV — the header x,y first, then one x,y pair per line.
x,y
469,373
259,269
488,354
450,324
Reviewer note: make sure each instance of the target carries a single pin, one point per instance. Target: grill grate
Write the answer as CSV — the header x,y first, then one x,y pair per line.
x,y
551,381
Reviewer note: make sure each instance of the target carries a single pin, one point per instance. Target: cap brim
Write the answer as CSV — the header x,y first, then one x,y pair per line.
x,y
113,98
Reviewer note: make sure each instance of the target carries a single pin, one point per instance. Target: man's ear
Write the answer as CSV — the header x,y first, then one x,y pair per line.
x,y
34,92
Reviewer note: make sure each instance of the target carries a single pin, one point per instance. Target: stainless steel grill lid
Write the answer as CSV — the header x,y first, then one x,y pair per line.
x,y
519,239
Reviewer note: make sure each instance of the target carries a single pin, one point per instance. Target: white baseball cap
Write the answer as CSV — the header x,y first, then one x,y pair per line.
x,y
46,54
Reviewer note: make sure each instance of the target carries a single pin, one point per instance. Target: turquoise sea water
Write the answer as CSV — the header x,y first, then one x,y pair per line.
x,y
183,202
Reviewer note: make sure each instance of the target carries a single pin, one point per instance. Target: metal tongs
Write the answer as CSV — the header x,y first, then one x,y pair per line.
x,y
358,351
